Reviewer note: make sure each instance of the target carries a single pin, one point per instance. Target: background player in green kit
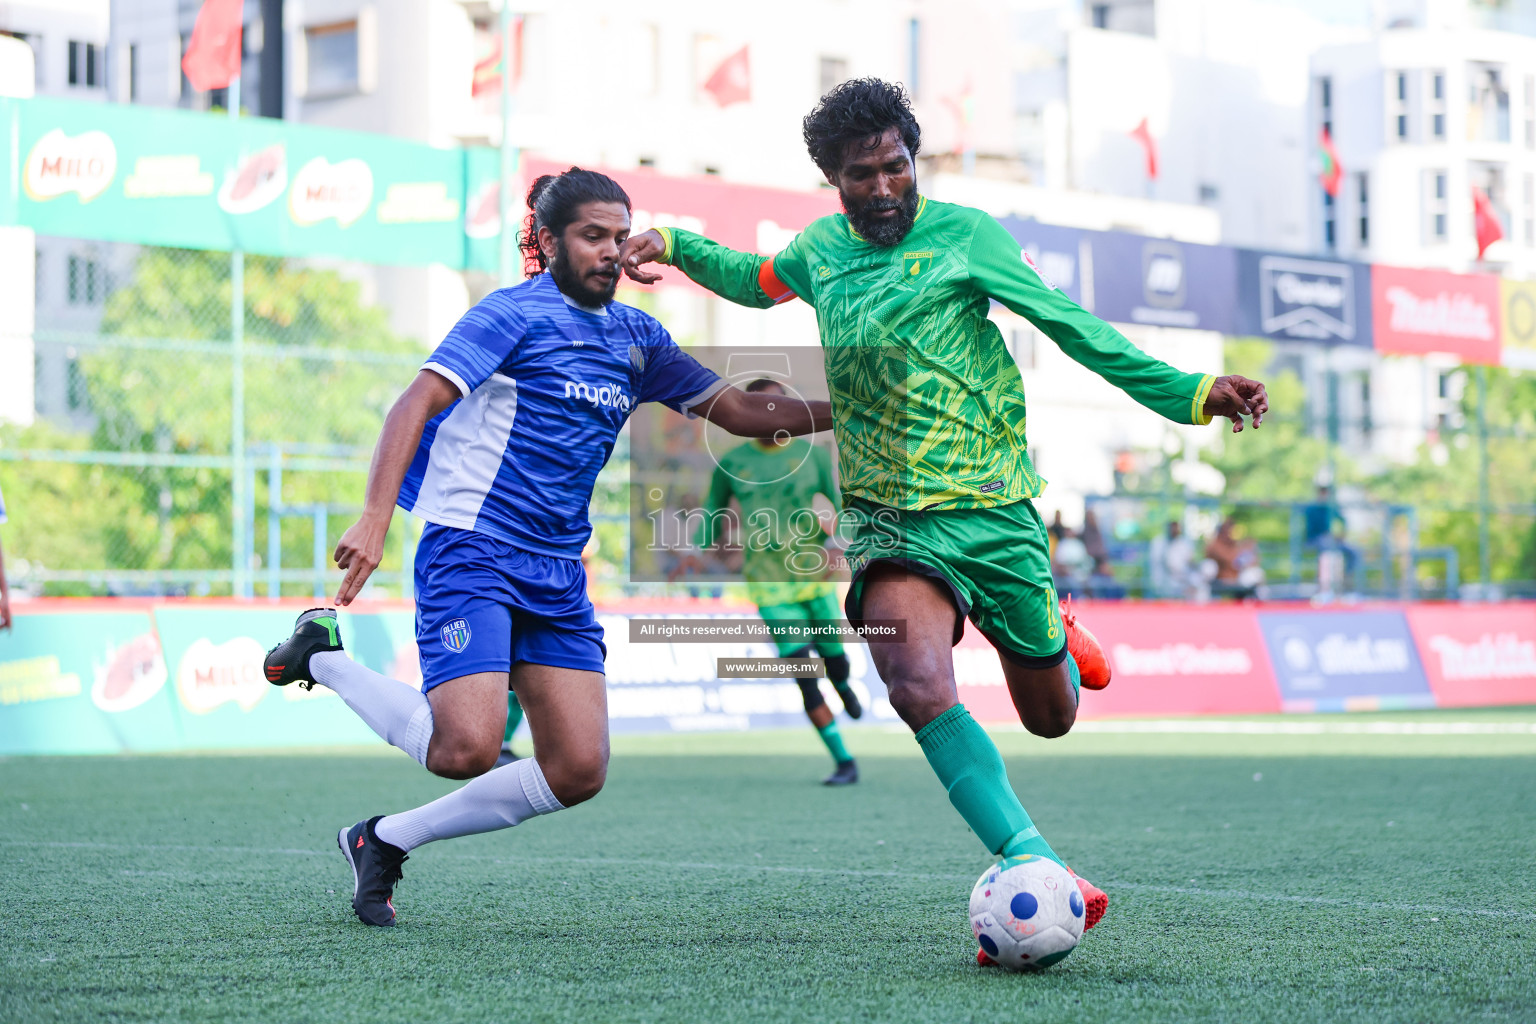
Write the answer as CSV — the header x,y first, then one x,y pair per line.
x,y
928,410
776,481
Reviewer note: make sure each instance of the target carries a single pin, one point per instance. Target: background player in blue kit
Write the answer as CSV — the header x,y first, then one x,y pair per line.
x,y
497,445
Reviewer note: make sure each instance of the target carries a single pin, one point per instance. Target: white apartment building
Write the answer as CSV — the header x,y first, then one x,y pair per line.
x,y
1421,115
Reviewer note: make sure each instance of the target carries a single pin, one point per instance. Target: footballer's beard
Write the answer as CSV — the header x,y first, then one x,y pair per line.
x,y
882,231
595,288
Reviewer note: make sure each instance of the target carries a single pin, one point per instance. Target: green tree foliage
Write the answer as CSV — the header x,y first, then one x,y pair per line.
x,y
321,370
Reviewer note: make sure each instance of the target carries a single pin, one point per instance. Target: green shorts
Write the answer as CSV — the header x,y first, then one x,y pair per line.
x,y
819,610
995,562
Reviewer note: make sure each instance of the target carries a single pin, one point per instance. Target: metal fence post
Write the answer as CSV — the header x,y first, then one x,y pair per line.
x,y
240,578
1482,478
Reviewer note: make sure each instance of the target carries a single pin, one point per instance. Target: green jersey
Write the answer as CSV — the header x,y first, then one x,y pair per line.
x,y
927,401
784,558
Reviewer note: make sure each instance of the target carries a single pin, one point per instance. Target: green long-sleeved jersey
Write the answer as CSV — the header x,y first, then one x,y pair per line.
x,y
927,402
784,557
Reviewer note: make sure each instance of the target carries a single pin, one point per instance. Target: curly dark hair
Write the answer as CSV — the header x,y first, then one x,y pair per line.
x,y
553,203
857,113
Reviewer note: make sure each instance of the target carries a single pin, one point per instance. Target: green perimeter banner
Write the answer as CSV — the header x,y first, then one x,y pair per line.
x,y
203,181
177,678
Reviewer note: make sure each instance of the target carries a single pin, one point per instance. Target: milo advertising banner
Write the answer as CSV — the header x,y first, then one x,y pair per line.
x,y
203,181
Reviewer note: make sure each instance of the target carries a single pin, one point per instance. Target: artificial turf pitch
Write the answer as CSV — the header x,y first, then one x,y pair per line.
x,y
1251,877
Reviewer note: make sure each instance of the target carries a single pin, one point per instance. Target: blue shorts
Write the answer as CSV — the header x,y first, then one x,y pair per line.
x,y
482,605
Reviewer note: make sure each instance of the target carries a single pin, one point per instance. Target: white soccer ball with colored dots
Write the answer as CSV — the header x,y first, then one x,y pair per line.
x,y
1027,912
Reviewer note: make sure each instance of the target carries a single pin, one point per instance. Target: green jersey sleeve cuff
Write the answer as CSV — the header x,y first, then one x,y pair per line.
x,y
1197,413
666,253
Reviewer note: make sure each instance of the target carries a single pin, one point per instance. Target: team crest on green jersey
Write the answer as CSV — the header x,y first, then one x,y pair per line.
x,y
914,263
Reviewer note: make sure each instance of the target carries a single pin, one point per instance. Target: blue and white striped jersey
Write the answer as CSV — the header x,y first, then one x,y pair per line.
x,y
547,384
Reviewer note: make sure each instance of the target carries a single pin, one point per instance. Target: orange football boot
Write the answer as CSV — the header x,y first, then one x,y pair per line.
x,y
1095,901
1083,646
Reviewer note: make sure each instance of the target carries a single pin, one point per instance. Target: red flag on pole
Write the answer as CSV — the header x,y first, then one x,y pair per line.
x,y
1332,172
1143,135
213,55
1485,221
731,82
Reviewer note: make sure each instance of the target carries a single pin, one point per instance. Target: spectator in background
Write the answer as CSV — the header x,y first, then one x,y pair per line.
x,y
1233,564
1325,528
1093,539
5,590
1173,570
1071,564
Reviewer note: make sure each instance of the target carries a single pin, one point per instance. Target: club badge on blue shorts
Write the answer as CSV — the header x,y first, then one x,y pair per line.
x,y
456,635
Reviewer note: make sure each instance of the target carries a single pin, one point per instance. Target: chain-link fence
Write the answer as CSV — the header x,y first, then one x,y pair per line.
x,y
129,479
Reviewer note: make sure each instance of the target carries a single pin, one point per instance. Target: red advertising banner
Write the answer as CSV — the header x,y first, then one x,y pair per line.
x,y
1477,655
744,217
1418,311
1167,659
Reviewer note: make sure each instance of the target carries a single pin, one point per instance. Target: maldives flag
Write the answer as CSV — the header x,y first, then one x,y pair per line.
x,y
731,82
213,55
1332,173
1143,135
1485,221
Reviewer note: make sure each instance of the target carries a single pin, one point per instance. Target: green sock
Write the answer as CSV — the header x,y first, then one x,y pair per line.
x,y
514,717
966,761
834,741
1077,680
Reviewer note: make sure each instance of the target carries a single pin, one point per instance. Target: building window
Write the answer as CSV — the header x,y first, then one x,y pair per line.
x,y
1435,205
87,282
1530,210
1402,87
914,56
1530,111
1100,14
1363,197
331,66
1437,125
35,44
1209,193
1438,89
1402,126
1487,104
133,72
84,64
834,70
1330,223
1325,89
1397,105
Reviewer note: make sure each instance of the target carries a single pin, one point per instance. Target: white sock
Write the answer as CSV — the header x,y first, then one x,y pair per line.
x,y
498,799
395,711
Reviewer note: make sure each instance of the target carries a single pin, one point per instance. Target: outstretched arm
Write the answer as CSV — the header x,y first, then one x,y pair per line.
x,y
999,271
743,277
759,414
362,547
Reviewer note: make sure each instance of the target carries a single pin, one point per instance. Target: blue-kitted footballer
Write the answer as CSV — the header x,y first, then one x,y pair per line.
x,y
497,445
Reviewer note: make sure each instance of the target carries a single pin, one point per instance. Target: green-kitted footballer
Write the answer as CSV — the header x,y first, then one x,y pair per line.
x,y
775,481
929,417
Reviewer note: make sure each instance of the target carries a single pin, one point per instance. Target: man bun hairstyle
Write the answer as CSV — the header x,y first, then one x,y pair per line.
x,y
553,202
857,113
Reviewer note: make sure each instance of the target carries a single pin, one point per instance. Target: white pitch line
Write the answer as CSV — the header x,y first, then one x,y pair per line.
x,y
1310,728
1329,901
1220,894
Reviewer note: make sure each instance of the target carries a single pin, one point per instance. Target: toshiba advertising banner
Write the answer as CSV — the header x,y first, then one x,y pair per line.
x,y
1419,311
1476,656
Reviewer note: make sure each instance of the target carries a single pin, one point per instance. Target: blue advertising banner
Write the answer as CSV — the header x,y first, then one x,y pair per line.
x,y
1057,252
1164,283
1345,661
1291,298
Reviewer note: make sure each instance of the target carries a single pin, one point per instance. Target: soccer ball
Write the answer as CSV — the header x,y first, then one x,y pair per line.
x,y
1027,912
